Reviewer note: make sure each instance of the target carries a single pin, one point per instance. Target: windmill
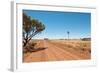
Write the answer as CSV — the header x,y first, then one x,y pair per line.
x,y
68,34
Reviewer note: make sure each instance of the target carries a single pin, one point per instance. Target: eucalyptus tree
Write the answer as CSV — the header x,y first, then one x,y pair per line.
x,y
31,27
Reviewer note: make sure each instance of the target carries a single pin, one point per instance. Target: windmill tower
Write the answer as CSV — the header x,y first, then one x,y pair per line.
x,y
68,34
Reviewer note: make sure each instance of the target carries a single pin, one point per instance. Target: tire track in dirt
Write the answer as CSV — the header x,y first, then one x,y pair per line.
x,y
59,53
50,54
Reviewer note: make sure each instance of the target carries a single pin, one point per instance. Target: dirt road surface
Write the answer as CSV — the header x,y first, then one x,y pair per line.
x,y
53,52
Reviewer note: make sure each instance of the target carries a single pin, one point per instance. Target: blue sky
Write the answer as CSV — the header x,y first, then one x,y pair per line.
x,y
58,23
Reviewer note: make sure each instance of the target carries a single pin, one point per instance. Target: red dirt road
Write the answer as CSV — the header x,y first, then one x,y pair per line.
x,y
53,52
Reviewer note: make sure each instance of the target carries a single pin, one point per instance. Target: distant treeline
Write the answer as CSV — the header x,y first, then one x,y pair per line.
x,y
86,39
83,39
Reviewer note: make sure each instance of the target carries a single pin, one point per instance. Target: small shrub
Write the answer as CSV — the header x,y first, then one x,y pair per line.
x,y
29,47
69,46
89,51
82,49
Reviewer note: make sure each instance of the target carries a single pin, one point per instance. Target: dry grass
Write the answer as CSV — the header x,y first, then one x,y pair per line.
x,y
77,46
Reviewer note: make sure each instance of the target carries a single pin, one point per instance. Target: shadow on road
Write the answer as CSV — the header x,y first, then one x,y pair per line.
x,y
32,49
39,49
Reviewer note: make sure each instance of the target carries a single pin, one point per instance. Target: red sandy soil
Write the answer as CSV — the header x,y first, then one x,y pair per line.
x,y
56,51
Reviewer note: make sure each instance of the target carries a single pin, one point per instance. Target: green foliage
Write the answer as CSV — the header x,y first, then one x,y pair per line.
x,y
31,27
